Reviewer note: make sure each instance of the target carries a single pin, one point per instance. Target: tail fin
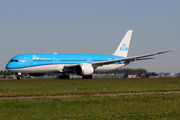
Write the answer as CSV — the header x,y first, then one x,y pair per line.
x,y
123,47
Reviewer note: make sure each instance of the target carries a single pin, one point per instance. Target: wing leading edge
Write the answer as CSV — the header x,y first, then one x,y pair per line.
x,y
130,59
125,60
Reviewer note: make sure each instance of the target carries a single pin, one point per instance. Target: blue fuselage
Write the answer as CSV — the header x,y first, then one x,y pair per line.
x,y
32,60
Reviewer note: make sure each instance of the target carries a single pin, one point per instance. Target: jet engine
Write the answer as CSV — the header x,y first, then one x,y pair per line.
x,y
84,69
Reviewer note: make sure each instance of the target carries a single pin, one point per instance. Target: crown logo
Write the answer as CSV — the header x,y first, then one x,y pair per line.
x,y
123,44
35,57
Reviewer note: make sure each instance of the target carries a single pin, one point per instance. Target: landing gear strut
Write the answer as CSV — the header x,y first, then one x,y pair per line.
x,y
18,76
64,76
87,77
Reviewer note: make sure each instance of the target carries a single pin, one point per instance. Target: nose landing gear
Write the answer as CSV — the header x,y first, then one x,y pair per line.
x,y
19,77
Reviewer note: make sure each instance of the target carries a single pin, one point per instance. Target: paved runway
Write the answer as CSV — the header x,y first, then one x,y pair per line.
x,y
66,96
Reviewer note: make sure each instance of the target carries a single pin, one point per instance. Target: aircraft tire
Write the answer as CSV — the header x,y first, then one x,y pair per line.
x,y
64,77
87,77
60,77
67,76
19,78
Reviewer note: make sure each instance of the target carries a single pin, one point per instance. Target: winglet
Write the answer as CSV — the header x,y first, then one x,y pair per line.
x,y
123,47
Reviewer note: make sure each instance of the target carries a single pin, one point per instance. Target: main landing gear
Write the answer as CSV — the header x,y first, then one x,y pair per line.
x,y
87,77
64,76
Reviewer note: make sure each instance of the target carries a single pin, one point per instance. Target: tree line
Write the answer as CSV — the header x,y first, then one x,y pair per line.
x,y
8,73
138,71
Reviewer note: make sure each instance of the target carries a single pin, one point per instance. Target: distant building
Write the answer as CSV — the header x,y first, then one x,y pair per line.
x,y
165,74
12,76
6,76
132,76
149,75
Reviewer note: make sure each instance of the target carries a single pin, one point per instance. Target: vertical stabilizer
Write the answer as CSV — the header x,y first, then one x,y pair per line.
x,y
123,47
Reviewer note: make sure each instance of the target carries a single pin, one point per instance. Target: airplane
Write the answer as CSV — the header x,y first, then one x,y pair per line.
x,y
36,64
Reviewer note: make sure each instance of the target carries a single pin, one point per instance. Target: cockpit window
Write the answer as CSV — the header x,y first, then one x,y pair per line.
x,y
13,60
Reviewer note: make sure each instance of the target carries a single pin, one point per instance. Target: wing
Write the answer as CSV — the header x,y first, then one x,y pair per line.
x,y
125,60
130,59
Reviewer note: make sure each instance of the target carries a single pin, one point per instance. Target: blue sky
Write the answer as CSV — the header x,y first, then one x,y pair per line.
x,y
94,26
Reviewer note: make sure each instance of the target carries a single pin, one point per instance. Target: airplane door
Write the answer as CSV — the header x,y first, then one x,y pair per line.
x,y
89,60
26,61
54,60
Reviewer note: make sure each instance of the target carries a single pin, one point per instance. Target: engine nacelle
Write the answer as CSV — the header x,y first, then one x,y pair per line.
x,y
36,74
84,69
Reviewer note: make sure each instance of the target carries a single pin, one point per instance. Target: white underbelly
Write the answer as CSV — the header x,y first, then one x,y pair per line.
x,y
39,69
106,68
60,67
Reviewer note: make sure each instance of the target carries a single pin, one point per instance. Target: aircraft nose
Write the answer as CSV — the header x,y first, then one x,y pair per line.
x,y
8,66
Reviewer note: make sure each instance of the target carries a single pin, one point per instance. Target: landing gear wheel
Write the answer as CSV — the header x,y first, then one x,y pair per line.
x,y
64,76
67,76
19,78
60,77
87,77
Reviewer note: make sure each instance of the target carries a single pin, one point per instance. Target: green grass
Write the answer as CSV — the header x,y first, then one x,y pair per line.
x,y
46,87
130,107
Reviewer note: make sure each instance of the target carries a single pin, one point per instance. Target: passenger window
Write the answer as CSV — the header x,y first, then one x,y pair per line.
x,y
11,60
16,60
